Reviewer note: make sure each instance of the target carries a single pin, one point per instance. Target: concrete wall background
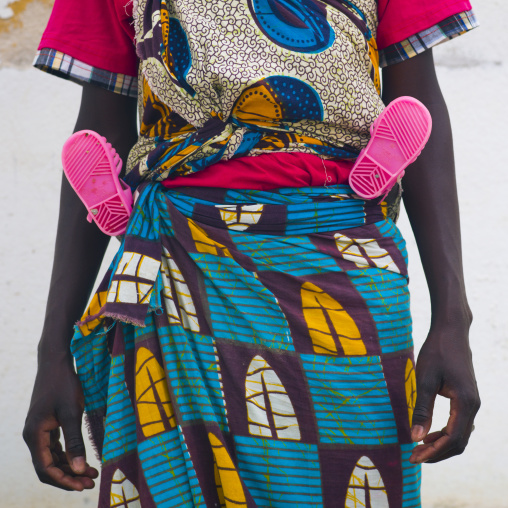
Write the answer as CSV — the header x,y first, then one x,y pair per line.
x,y
38,112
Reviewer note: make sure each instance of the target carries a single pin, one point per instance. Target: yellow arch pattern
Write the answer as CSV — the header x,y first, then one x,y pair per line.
x,y
96,304
204,243
165,24
180,306
229,485
317,305
150,385
366,485
123,493
410,383
220,490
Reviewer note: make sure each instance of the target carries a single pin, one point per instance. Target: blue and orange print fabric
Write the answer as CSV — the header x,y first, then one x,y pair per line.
x,y
232,78
252,348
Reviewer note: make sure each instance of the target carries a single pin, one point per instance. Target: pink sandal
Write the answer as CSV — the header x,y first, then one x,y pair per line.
x,y
398,136
92,167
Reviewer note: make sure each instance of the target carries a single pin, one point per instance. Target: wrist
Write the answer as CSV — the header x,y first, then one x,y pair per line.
x,y
49,355
57,333
457,313
449,305
450,328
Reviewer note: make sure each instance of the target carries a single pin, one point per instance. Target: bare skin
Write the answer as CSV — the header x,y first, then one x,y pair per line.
x,y
444,365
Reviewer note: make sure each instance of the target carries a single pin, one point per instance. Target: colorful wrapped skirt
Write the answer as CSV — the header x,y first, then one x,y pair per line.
x,y
252,349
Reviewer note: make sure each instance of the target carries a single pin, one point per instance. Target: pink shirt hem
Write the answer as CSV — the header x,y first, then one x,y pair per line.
x,y
400,19
268,171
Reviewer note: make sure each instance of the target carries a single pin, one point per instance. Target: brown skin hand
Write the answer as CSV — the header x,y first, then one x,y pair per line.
x,y
57,398
444,365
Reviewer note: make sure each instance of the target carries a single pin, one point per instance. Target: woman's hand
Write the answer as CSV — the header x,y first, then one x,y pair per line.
x,y
57,401
445,368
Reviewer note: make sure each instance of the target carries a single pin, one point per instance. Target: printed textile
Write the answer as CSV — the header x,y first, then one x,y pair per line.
x,y
231,78
273,365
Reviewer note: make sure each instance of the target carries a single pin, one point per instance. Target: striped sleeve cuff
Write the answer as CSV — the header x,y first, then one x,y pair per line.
x,y
445,30
65,66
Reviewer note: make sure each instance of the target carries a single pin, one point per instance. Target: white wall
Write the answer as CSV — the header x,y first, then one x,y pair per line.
x,y
473,75
37,115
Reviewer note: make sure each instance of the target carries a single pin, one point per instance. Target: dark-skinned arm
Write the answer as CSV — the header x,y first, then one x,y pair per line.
x,y
57,398
444,366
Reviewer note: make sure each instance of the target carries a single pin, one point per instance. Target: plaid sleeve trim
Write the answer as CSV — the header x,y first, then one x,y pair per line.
x,y
445,30
65,66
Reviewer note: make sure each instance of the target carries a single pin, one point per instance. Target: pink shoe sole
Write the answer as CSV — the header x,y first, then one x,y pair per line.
x,y
397,138
92,167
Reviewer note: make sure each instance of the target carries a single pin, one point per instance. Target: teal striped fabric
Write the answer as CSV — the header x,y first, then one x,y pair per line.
x,y
268,358
120,425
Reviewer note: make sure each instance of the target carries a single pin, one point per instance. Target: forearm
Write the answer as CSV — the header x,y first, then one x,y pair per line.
x,y
57,398
430,199
431,202
79,250
80,246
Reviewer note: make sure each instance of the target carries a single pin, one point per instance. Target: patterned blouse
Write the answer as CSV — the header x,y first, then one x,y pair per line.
x,y
229,78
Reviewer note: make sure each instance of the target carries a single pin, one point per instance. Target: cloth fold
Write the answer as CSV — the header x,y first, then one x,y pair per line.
x,y
129,286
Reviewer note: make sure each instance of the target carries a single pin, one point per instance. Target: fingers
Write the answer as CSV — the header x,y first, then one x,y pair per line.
x,y
75,453
433,436
50,461
74,445
453,438
424,406
63,479
60,457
